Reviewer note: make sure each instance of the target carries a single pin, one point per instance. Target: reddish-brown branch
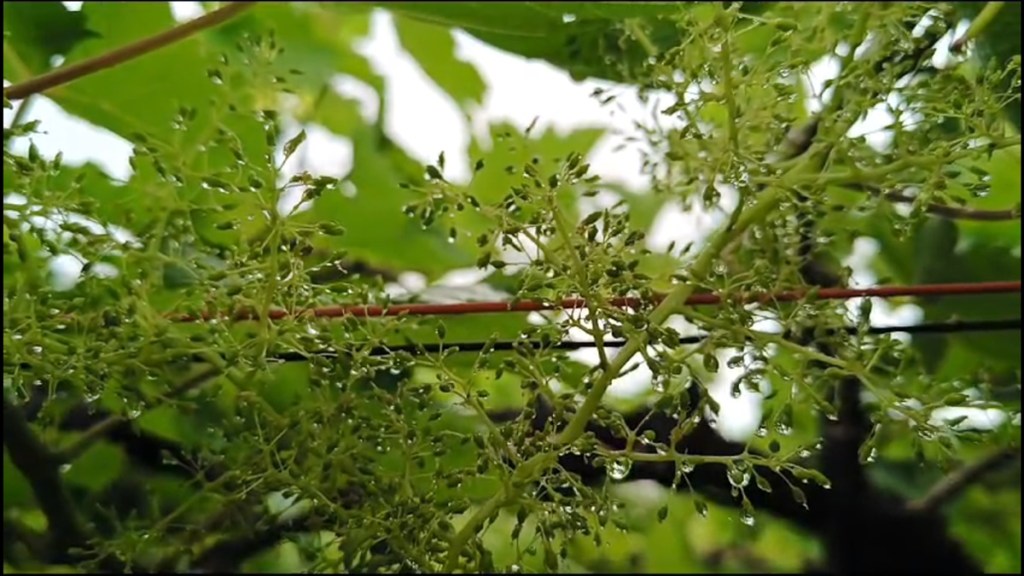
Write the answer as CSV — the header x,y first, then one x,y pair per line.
x,y
123,54
707,299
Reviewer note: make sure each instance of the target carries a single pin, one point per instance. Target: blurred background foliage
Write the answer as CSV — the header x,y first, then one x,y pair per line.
x,y
180,107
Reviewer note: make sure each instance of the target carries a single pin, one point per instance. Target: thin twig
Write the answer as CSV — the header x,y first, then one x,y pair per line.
x,y
75,449
959,213
950,212
226,554
955,483
20,113
70,73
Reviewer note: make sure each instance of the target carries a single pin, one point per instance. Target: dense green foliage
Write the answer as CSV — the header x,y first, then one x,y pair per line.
x,y
135,441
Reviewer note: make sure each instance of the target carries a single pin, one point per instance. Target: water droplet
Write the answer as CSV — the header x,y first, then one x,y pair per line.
x,y
568,18
701,507
747,518
739,474
783,428
618,468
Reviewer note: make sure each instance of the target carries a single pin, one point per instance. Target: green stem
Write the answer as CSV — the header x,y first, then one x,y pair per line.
x,y
764,205
20,113
978,25
520,478
640,36
859,175
477,407
580,271
729,95
766,202
463,536
778,340
753,459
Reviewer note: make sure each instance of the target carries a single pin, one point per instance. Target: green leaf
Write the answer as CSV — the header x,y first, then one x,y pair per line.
x,y
318,39
990,535
97,468
583,38
339,114
596,39
897,258
38,31
177,276
142,95
941,261
643,207
511,149
434,49
289,383
1003,194
934,244
17,491
1000,41
168,423
377,230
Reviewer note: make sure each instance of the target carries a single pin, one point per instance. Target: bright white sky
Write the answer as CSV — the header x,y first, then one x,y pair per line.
x,y
425,121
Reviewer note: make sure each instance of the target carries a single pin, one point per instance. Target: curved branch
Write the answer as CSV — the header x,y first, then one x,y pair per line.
x,y
953,485
944,210
99,430
37,463
123,54
958,213
228,554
